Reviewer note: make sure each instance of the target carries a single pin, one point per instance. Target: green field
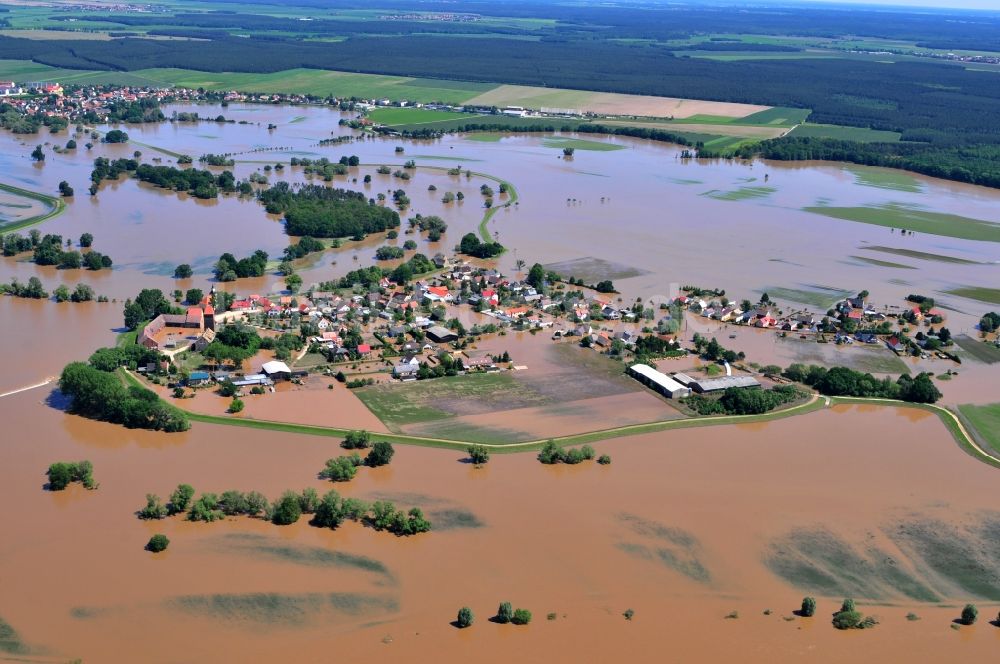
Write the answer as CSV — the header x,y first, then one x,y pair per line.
x,y
581,144
860,134
741,194
818,296
885,179
411,116
397,404
985,420
775,117
921,255
989,295
875,261
893,215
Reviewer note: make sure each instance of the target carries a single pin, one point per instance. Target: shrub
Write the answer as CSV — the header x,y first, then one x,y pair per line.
x,y
521,617
157,543
848,605
969,614
628,614
808,607
604,460
465,617
236,406
505,613
341,469
847,619
551,453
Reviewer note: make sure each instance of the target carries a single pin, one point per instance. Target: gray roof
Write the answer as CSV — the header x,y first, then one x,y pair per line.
x,y
714,384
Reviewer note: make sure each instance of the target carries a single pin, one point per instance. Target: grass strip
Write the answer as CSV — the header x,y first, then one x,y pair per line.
x,y
57,206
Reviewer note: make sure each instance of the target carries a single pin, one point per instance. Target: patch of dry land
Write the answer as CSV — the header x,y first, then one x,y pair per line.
x,y
609,103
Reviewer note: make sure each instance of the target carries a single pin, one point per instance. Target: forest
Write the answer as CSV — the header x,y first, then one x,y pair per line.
x,y
319,211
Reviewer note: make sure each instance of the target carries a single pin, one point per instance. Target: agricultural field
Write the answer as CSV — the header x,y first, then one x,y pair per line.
x,y
899,216
394,117
581,144
605,103
859,134
988,295
978,349
821,297
885,178
564,391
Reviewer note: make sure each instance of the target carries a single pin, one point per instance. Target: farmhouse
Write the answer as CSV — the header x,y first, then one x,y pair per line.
x,y
276,370
440,334
658,381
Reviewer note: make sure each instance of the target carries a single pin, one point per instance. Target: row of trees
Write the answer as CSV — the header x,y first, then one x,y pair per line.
x,y
327,511
552,453
842,381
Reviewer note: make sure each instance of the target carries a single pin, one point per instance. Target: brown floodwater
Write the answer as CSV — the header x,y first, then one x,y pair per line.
x,y
678,528
684,527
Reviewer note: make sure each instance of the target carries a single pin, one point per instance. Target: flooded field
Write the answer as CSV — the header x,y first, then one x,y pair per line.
x,y
684,527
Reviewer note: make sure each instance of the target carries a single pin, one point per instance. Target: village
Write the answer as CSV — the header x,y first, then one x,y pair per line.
x,y
466,319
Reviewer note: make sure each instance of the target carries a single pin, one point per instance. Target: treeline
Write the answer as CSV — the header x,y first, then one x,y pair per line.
x,y
841,381
101,395
48,250
370,276
319,211
737,401
977,164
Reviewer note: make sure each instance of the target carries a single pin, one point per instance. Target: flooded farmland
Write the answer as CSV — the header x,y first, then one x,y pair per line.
x,y
683,527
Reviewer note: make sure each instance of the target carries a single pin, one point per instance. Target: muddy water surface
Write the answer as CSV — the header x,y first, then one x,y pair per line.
x,y
684,526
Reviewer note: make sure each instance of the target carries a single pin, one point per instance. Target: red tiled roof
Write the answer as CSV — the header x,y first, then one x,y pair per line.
x,y
364,348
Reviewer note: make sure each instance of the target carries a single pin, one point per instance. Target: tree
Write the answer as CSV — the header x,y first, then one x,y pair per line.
x,y
183,271
969,614
158,543
61,293
604,460
990,322
465,617
38,154
236,406
193,295
180,499
808,607
86,240
341,469
287,509
380,455
153,509
82,293
60,476
847,619
65,190
293,282
521,617
536,276
551,453
356,440
568,152
479,454
505,613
